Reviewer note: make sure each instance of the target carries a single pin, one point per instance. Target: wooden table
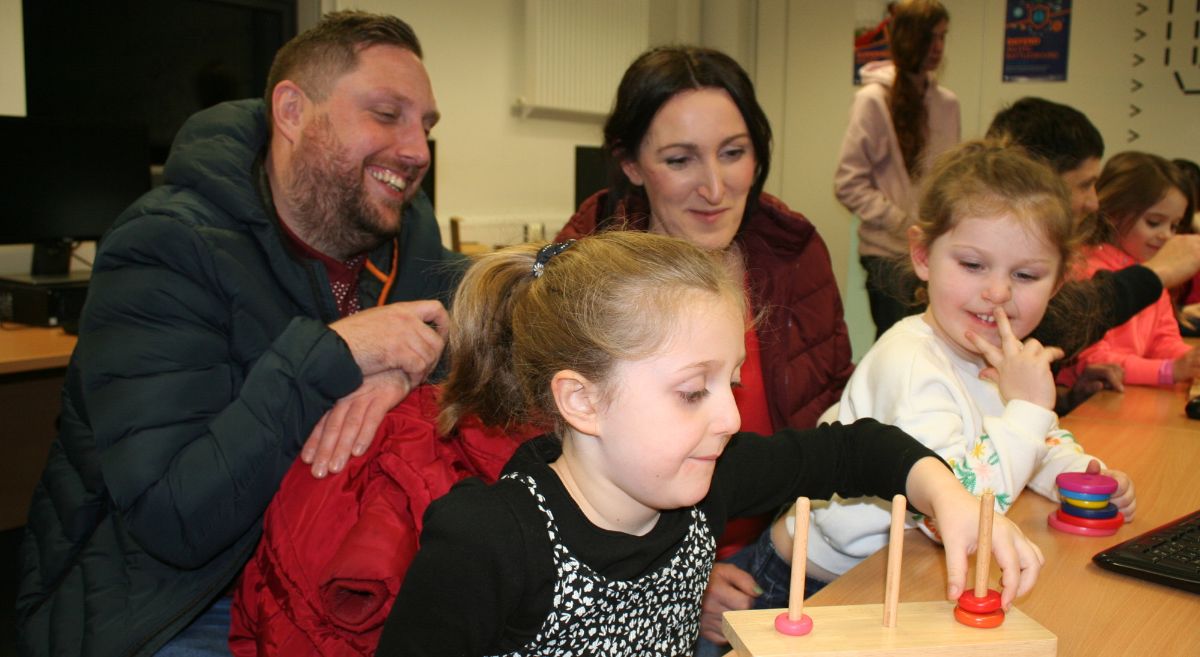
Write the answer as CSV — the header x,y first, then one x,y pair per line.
x,y
1094,612
32,365
31,348
1158,407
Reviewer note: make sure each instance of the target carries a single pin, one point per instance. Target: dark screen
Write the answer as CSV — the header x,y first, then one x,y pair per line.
x,y
591,173
67,180
154,62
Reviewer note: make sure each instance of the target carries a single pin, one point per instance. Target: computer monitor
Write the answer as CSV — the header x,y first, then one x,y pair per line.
x,y
591,172
63,181
154,62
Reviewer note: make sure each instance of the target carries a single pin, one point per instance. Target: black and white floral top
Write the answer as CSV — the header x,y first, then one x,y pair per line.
x,y
655,615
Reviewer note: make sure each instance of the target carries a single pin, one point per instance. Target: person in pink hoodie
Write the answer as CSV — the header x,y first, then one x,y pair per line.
x,y
898,124
1143,199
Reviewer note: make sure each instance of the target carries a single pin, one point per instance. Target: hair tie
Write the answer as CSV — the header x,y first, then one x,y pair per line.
x,y
547,252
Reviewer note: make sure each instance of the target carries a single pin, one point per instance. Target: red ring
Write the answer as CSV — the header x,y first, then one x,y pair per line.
x,y
1114,522
985,621
988,603
1067,527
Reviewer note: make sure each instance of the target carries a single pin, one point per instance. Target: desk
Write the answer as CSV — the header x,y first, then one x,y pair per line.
x,y
31,348
1145,405
1094,612
32,365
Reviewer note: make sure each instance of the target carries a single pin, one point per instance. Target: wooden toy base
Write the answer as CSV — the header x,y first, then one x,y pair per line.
x,y
927,629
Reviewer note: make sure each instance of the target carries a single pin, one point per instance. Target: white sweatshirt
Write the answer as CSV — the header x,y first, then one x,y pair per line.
x,y
912,379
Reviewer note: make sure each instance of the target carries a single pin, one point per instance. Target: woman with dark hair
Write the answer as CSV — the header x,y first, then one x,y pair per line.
x,y
901,120
689,150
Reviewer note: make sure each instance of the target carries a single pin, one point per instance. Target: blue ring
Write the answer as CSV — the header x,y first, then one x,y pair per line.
x,y
1109,511
1087,497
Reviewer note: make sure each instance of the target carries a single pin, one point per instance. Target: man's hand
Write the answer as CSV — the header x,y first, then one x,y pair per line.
x,y
407,336
1187,366
1189,316
1093,379
729,589
348,428
1177,261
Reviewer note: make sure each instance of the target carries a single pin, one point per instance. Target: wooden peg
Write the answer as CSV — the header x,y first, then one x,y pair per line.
x,y
891,595
983,554
793,622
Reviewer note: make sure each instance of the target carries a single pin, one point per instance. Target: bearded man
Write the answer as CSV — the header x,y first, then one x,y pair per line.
x,y
274,298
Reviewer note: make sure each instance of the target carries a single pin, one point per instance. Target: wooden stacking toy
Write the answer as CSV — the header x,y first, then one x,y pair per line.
x,y
1086,509
980,607
916,629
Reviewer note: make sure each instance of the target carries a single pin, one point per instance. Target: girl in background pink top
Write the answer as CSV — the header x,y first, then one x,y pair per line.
x,y
1142,202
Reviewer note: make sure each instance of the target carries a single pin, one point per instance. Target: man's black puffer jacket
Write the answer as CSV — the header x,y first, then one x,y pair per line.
x,y
204,360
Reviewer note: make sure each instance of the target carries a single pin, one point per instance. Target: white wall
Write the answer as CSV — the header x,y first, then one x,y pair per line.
x,y
12,60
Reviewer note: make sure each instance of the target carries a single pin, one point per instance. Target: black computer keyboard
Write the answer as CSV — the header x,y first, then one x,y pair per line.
x,y
1169,554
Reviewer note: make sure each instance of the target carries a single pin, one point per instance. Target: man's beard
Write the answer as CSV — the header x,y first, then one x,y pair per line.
x,y
332,211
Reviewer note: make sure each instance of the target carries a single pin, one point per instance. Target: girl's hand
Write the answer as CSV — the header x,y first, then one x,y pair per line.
x,y
934,490
1187,366
1021,370
1123,497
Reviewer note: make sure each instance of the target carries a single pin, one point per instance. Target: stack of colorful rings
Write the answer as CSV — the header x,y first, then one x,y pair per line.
x,y
1085,507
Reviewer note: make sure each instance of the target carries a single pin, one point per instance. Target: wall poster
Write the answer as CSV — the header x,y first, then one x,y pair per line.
x,y
1036,38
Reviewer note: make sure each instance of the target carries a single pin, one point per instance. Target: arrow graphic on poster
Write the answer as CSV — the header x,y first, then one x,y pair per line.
x,y
1136,85
1138,59
1138,34
1134,110
1133,136
1141,9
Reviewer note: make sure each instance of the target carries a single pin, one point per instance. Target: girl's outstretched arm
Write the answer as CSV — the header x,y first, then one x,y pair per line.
x,y
934,490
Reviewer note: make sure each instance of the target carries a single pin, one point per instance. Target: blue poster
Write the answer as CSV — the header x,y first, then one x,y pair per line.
x,y
1036,38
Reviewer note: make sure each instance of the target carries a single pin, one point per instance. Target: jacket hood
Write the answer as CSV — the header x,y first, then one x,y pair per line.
x,y
884,72
237,131
879,72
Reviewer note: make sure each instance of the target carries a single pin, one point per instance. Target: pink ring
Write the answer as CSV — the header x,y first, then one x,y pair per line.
x,y
1083,482
1061,526
785,625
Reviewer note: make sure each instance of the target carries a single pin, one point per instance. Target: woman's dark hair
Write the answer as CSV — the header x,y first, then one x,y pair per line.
x,y
655,77
911,34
